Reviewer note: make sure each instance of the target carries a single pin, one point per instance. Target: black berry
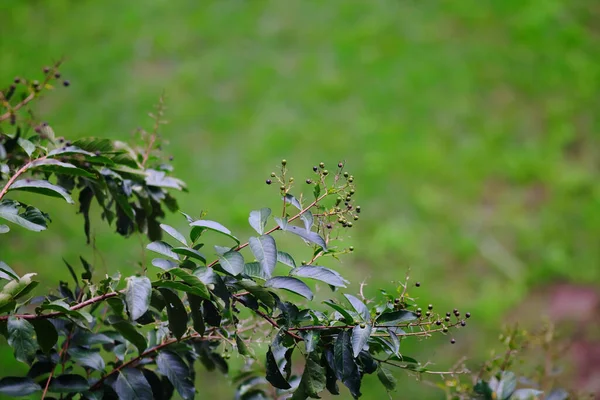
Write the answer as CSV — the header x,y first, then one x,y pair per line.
x,y
438,322
315,168
453,341
309,181
66,83
463,323
268,181
46,70
340,165
418,284
468,315
430,307
358,209
57,75
329,226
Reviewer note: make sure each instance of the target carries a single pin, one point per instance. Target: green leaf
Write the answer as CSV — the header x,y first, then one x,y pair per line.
x,y
189,252
241,346
70,150
386,378
258,291
131,384
68,383
197,287
360,307
293,201
31,219
322,274
348,319
344,364
41,187
172,366
395,317
163,248
311,340
174,233
265,251
196,311
232,262
129,332
527,394
308,220
17,387
7,272
274,375
137,295
45,333
281,222
317,191
286,259
327,360
254,270
360,336
164,264
506,386
291,284
86,357
313,379
160,179
312,237
258,219
176,314
21,337
59,167
26,145
214,226
4,229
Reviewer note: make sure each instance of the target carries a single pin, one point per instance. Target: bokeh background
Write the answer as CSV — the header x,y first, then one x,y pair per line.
x,y
472,129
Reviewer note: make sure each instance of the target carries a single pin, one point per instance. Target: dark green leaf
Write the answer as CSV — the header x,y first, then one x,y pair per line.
x,y
320,273
327,360
163,248
395,317
137,295
164,264
241,346
31,219
211,314
232,262
317,191
367,363
348,319
214,226
59,167
70,150
386,378
313,379
189,252
258,291
360,336
26,145
162,389
130,333
176,314
394,341
265,251
174,233
274,375
86,357
359,306
312,237
7,272
68,383
286,259
291,284
196,311
131,384
197,287
311,340
21,337
293,201
72,272
41,187
17,387
45,333
345,366
258,219
175,369
85,201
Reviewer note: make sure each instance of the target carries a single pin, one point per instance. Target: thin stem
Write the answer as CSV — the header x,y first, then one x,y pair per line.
x,y
19,172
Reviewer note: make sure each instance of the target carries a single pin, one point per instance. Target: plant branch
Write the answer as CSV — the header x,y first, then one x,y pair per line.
x,y
19,172
311,205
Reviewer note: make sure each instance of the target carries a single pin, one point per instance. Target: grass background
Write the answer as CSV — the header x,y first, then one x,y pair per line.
x,y
471,128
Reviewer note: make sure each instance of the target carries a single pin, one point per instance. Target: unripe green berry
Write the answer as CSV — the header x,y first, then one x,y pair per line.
x,y
283,162
291,179
356,217
349,224
351,179
345,174
363,325
282,187
272,174
352,191
322,165
325,172
445,330
351,248
358,209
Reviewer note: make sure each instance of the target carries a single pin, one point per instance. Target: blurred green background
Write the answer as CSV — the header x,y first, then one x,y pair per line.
x,y
472,129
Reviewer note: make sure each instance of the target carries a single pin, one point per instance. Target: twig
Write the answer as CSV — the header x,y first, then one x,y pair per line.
x,y
19,172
